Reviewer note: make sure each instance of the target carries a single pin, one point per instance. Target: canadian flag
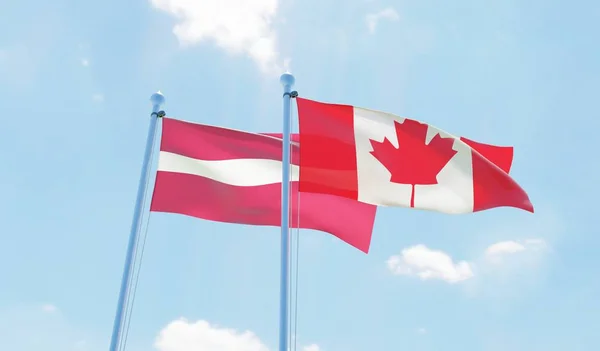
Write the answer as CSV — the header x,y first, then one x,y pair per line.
x,y
382,159
231,176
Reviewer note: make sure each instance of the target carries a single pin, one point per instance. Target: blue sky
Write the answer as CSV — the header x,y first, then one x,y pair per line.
x,y
75,79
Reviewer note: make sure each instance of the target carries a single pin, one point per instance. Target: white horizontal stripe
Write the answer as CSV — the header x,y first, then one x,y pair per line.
x,y
240,172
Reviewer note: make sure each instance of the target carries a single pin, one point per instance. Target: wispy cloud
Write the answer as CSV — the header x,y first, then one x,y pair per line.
x,y
504,247
238,26
428,264
85,62
373,19
505,269
98,97
497,251
516,258
49,308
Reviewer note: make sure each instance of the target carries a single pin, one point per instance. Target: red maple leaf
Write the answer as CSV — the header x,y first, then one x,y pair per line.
x,y
413,162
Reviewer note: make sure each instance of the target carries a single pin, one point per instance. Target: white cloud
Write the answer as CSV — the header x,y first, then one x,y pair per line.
x,y
536,244
429,264
238,26
504,247
497,251
434,264
422,331
85,62
181,335
49,308
374,18
98,97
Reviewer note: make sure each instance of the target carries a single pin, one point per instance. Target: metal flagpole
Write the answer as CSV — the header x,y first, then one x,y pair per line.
x,y
157,100
287,80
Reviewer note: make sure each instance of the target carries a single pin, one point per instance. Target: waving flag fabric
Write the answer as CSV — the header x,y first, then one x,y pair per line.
x,y
382,159
231,176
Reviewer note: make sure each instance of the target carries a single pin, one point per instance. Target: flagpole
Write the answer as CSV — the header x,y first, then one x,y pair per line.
x,y
287,80
157,100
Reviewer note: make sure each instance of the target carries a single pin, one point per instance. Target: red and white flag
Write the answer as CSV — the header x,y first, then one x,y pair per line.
x,y
382,159
231,176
